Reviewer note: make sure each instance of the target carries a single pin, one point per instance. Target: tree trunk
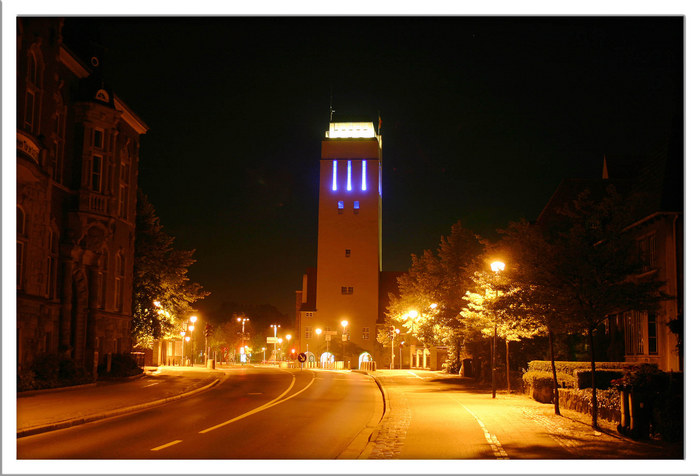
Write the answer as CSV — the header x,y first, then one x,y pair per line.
x,y
507,366
594,398
554,371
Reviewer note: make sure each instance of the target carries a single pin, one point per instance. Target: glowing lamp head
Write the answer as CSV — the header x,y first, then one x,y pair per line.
x,y
397,330
412,313
318,332
187,338
193,319
433,305
279,340
182,333
344,324
191,328
498,266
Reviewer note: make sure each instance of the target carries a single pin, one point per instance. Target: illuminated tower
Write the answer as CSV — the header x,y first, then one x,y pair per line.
x,y
349,243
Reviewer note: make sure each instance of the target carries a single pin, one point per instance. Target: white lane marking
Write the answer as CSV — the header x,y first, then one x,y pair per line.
x,y
496,447
151,384
254,393
416,375
158,448
265,406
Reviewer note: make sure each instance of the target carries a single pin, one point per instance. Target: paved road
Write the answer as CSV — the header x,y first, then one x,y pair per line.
x,y
254,413
435,416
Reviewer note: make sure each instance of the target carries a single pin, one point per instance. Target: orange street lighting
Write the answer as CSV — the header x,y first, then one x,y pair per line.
x,y
193,319
187,338
412,313
191,328
318,331
496,267
433,305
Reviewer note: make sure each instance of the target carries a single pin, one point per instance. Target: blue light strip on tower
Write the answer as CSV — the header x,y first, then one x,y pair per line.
x,y
335,175
364,175
349,175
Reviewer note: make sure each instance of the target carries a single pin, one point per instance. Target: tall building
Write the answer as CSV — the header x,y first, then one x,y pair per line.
x,y
344,287
77,166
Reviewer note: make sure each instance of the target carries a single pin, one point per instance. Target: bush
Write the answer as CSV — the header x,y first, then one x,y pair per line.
x,y
580,400
123,365
603,378
540,385
52,371
667,415
568,367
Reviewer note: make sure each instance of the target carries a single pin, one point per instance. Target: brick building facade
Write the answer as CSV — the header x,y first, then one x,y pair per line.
x,y
77,166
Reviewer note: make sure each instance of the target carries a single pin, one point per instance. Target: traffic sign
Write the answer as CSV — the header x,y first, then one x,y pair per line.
x,y
272,340
331,333
328,337
301,357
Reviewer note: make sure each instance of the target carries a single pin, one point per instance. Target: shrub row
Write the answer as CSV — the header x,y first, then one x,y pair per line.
x,y
580,401
603,377
568,367
52,371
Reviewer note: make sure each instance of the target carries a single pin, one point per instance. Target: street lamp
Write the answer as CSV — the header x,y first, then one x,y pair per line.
x,y
182,334
318,334
274,327
496,267
344,323
394,333
193,319
288,337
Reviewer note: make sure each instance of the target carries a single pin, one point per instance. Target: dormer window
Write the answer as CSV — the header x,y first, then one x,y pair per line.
x,y
102,95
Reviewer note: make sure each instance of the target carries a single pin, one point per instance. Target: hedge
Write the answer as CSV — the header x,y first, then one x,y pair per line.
x,y
603,377
567,367
540,385
580,401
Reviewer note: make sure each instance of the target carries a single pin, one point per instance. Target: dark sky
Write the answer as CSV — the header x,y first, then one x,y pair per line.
x,y
481,119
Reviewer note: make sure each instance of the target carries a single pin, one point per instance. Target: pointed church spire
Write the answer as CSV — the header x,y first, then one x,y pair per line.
x,y
605,168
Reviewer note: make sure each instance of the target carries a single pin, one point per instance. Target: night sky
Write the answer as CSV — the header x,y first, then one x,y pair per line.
x,y
481,119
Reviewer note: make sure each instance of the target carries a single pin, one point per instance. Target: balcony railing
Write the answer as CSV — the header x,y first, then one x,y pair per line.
x,y
27,145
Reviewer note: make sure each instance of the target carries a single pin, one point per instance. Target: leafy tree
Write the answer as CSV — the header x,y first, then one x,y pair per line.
x,y
587,268
162,293
439,278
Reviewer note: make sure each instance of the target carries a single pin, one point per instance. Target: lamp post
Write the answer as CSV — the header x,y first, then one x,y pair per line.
x,y
318,334
344,323
496,267
288,337
193,319
187,339
264,349
274,327
182,334
394,333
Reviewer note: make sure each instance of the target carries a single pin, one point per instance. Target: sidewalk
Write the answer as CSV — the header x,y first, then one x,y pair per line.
x,y
48,410
426,413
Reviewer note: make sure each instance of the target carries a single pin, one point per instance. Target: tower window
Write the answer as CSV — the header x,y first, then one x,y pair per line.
x,y
347,253
349,187
346,289
341,206
335,175
307,332
364,175
365,333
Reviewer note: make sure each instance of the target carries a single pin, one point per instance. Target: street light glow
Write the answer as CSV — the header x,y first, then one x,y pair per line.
x,y
498,266
318,331
193,319
433,305
344,324
412,313
191,328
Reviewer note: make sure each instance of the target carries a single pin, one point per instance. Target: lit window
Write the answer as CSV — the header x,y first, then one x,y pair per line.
x,y
356,205
349,175
335,175
364,175
365,333
341,204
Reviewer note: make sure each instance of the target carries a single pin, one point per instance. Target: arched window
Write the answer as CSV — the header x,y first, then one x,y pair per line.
x,y
20,221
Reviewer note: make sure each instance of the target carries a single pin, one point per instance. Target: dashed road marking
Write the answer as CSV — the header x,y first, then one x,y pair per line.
x,y
158,448
492,440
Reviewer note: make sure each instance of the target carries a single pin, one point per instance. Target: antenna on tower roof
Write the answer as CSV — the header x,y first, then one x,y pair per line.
x,y
331,106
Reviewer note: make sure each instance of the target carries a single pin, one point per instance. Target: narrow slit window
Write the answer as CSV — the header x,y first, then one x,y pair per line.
x,y
356,205
364,175
349,187
341,204
335,175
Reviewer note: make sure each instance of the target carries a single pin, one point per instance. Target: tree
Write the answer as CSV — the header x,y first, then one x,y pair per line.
x,y
439,278
162,293
589,269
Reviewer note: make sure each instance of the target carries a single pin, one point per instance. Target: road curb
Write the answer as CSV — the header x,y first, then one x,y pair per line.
x,y
112,413
363,444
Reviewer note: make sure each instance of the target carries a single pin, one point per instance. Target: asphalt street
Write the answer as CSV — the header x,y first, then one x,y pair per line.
x,y
254,413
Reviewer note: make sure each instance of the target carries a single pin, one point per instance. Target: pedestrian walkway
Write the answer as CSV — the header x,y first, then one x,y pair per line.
x,y
432,415
47,410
